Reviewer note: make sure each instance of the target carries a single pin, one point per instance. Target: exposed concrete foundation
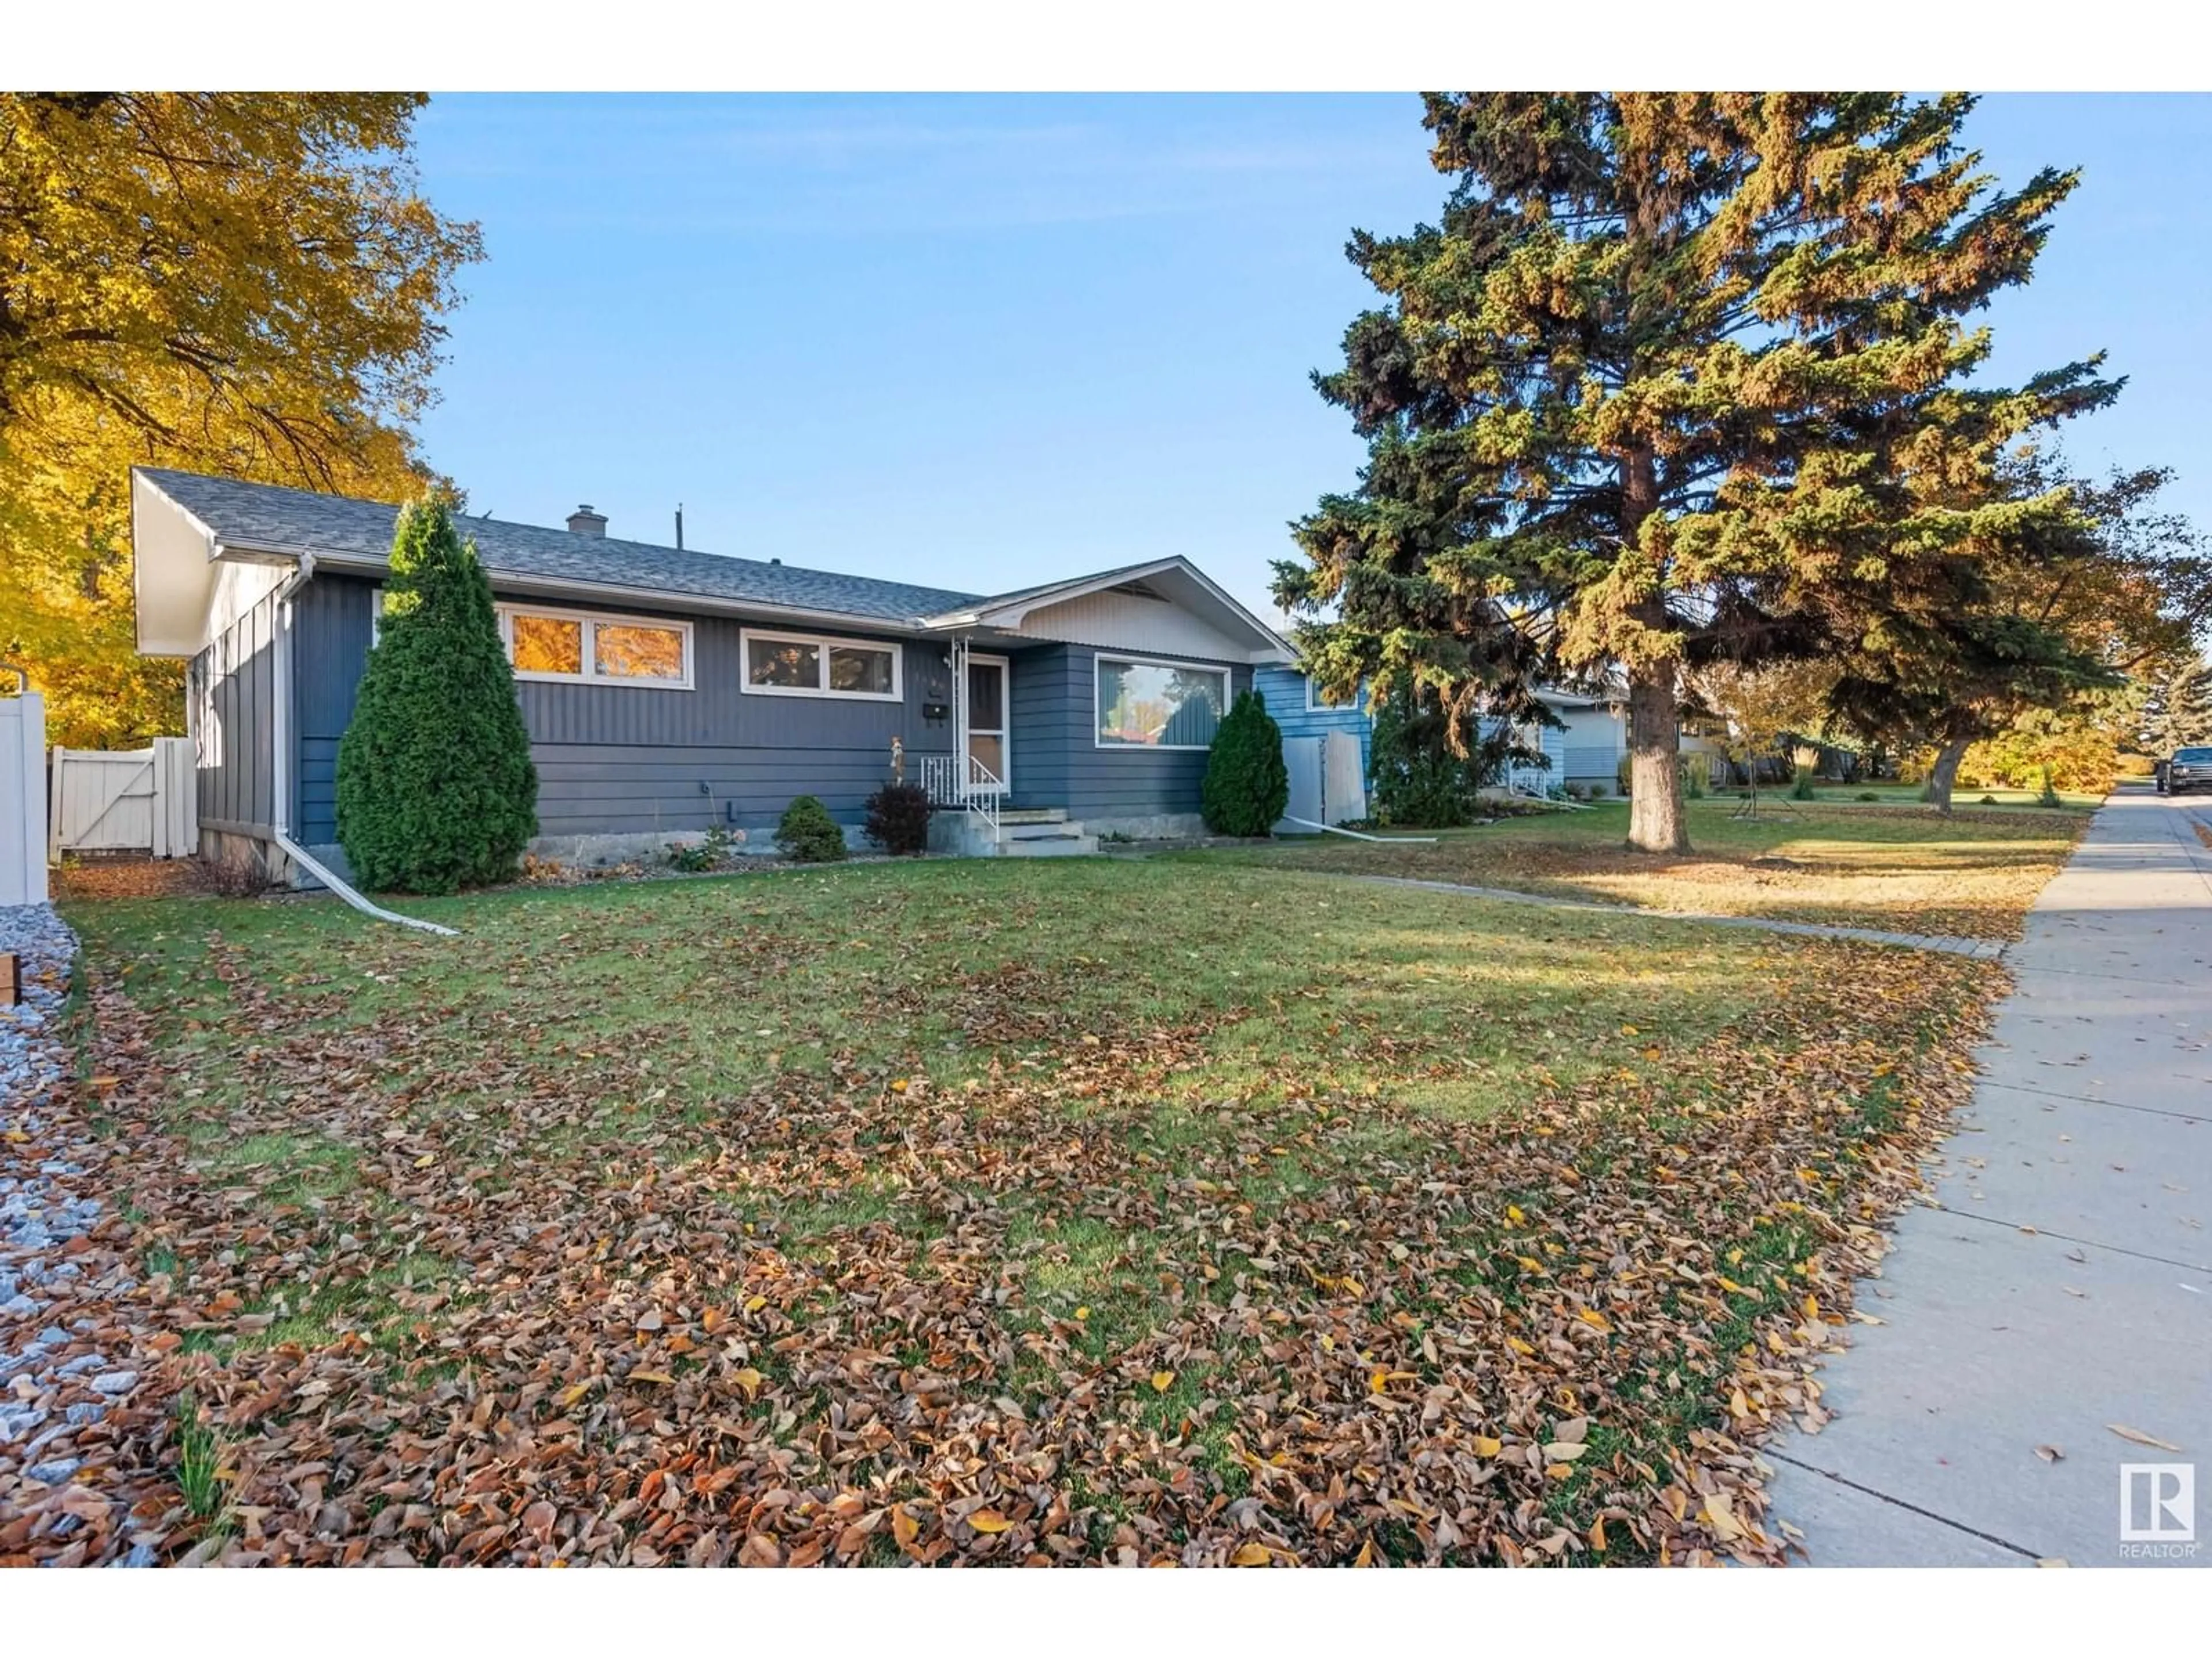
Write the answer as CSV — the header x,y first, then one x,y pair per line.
x,y
1152,826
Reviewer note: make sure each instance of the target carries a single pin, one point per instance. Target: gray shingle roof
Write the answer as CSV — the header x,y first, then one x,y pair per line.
x,y
273,517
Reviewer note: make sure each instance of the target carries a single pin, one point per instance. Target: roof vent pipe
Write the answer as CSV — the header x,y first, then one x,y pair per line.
x,y
585,522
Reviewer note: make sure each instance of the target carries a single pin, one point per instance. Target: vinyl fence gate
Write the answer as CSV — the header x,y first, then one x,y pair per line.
x,y
118,800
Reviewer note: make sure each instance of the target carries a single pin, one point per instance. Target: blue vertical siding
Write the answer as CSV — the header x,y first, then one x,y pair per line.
x,y
230,714
619,760
1056,758
624,760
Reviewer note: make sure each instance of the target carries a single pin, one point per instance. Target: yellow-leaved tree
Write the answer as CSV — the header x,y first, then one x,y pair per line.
x,y
241,283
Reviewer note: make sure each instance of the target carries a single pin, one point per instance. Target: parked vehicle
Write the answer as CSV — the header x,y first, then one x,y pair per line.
x,y
2189,769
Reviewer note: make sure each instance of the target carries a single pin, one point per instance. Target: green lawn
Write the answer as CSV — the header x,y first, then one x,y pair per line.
x,y
1908,870
1088,1210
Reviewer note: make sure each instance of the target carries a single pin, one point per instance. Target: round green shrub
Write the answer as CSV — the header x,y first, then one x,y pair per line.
x,y
808,835
435,788
1247,786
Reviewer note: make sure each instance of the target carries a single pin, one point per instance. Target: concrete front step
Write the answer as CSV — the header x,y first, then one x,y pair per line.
x,y
1043,833
1048,846
1033,832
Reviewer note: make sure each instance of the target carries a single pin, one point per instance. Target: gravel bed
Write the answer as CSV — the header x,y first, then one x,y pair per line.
x,y
58,1383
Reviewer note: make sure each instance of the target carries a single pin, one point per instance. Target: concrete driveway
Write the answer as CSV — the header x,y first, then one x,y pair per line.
x,y
2060,1283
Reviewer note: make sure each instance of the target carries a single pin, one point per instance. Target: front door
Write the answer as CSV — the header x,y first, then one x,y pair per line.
x,y
985,741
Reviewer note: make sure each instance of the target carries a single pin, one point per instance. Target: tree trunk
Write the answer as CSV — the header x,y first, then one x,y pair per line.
x,y
1657,822
1946,772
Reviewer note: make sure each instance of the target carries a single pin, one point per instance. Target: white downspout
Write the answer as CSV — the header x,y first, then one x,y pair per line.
x,y
281,769
1355,835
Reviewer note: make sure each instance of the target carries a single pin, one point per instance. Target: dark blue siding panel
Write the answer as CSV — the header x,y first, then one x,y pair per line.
x,y
1057,760
232,697
617,760
1044,727
613,760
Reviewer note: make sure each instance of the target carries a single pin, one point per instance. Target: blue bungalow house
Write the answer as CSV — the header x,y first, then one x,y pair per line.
x,y
667,691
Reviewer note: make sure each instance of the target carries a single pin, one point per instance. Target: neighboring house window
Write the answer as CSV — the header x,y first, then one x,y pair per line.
x,y
1316,706
585,647
819,665
1159,705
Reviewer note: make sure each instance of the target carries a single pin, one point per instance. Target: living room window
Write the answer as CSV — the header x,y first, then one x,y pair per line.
x,y
820,665
587,646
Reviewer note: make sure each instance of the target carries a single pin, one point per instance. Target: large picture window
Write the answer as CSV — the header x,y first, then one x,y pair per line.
x,y
1159,705
583,646
817,665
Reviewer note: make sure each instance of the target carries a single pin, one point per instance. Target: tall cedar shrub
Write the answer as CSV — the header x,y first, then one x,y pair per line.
x,y
1676,377
808,835
1247,785
1419,781
435,789
898,819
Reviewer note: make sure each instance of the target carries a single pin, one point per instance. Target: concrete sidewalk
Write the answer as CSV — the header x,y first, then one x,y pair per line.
x,y
2062,1281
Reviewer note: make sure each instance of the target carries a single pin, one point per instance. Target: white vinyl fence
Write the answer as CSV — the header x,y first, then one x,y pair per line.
x,y
1326,782
23,797
142,800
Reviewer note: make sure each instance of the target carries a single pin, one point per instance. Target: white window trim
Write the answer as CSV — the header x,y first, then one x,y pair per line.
x,y
823,644
1227,696
591,675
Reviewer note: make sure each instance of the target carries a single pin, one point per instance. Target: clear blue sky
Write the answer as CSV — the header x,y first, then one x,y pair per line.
x,y
982,342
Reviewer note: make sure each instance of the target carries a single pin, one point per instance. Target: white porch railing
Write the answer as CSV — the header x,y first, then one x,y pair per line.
x,y
1530,783
973,787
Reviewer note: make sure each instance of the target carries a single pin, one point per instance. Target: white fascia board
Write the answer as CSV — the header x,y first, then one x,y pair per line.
x,y
1272,647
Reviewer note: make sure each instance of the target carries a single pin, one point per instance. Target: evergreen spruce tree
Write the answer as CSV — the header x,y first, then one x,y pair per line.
x,y
1676,378
2063,618
435,788
1423,776
1247,787
2178,714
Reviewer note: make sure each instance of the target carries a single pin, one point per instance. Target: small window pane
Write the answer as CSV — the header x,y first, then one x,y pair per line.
x,y
784,662
627,651
986,698
861,668
1149,705
548,645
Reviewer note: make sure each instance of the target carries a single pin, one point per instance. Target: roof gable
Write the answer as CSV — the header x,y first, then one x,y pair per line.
x,y
1174,580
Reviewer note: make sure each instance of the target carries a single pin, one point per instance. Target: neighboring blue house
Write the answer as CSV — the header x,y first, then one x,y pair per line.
x,y
1290,698
1304,718
667,691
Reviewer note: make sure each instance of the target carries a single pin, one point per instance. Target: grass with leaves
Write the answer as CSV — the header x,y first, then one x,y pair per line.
x,y
1890,867
1079,1211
